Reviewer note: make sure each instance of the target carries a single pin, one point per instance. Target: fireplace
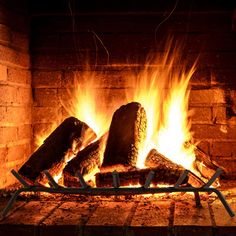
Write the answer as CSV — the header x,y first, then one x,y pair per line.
x,y
57,54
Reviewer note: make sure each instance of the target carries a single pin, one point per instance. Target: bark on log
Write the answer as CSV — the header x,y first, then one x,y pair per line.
x,y
126,135
71,134
139,176
87,160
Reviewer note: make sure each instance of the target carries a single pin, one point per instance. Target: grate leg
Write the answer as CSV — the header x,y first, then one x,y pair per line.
x,y
11,202
224,202
197,200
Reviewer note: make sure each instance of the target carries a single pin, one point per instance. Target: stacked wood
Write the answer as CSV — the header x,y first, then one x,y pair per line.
x,y
88,160
71,134
127,134
162,175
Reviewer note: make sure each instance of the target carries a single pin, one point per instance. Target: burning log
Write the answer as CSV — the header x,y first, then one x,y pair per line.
x,y
126,135
88,160
162,175
204,164
70,136
155,159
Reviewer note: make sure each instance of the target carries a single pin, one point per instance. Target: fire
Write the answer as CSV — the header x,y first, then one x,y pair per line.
x,y
163,90
84,102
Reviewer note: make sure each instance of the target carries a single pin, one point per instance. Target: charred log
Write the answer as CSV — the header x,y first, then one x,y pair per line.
x,y
138,177
126,135
70,135
87,160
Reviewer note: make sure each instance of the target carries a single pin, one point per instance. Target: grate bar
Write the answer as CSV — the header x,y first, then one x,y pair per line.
x,y
116,190
116,179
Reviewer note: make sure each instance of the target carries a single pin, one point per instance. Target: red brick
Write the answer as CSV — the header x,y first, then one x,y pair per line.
x,y
202,115
223,149
14,57
18,75
8,134
202,131
225,225
46,97
25,220
207,96
24,96
44,128
204,146
219,115
112,77
189,220
19,152
228,163
68,218
15,115
46,79
108,219
151,218
24,132
232,121
3,73
8,95
45,114
17,204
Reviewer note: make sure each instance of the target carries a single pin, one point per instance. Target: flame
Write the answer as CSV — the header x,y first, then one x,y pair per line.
x,y
163,90
83,102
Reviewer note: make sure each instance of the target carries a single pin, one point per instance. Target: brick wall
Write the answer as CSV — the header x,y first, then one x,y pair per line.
x,y
15,89
64,36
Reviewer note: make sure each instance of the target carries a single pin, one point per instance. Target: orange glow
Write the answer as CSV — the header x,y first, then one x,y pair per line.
x,y
162,89
84,100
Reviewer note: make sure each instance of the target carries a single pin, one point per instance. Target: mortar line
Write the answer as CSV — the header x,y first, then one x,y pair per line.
x,y
49,213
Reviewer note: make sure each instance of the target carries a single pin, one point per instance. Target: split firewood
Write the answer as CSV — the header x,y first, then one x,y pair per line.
x,y
155,159
127,134
70,136
204,165
89,160
162,175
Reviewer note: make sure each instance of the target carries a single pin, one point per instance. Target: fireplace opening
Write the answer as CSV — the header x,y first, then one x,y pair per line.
x,y
118,89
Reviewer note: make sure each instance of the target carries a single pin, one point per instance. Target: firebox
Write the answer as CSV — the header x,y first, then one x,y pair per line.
x,y
116,95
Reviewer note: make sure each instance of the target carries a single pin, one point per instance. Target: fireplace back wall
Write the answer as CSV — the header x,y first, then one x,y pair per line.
x,y
64,34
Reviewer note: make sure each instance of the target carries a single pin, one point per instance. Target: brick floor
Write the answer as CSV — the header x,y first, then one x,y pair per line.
x,y
109,217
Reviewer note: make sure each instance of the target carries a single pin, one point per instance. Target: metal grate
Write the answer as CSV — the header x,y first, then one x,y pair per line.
x,y
117,190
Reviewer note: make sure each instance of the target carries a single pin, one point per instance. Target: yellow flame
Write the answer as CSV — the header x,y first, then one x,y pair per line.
x,y
162,89
83,102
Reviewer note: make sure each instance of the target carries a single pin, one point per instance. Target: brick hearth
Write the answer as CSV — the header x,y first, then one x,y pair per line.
x,y
109,217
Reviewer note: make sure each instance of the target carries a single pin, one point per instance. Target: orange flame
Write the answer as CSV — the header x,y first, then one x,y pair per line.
x,y
162,89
